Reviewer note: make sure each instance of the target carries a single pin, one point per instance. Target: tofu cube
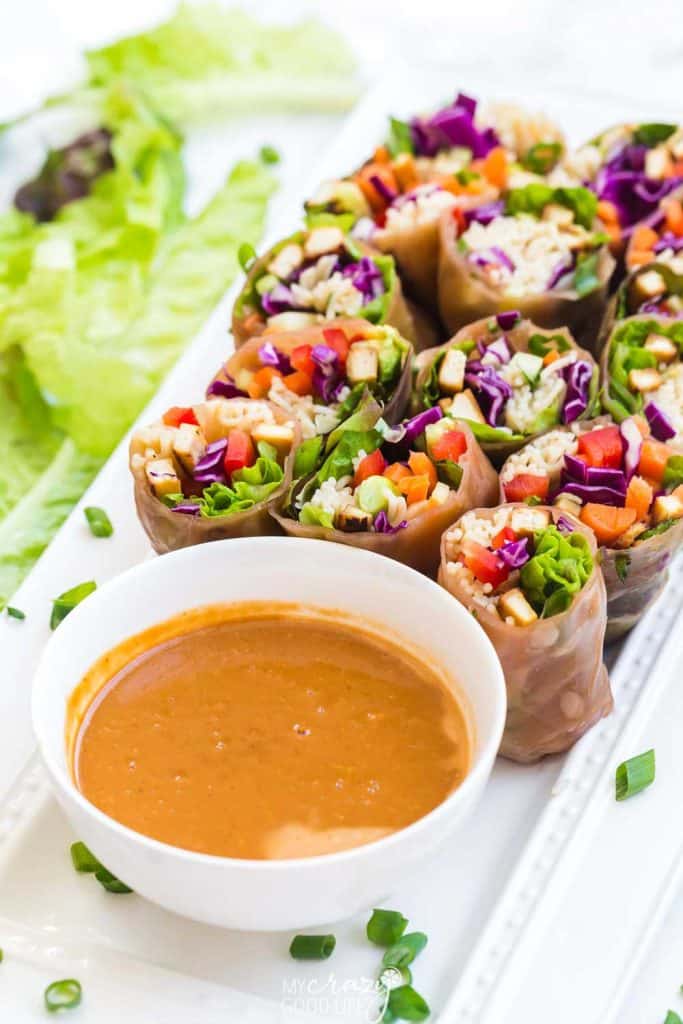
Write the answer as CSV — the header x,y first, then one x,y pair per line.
x,y
362,364
162,477
352,519
291,321
657,162
557,214
628,537
568,503
280,435
649,284
513,603
464,406
286,261
662,348
526,521
452,371
445,404
644,380
188,446
322,240
440,493
667,506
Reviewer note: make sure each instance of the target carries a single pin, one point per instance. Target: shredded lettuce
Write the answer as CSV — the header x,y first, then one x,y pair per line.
x,y
559,569
627,353
207,61
534,198
247,488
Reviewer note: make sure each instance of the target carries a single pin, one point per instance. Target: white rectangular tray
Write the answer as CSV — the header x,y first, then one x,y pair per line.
x,y
541,908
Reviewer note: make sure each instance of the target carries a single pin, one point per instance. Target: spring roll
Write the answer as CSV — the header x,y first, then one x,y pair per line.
x,y
531,577
642,372
319,374
626,486
393,491
509,379
653,289
545,255
318,275
631,168
211,471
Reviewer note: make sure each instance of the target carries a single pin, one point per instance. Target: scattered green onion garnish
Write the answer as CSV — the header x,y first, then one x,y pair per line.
x,y
386,927
634,775
672,1017
407,1004
66,602
111,883
312,947
15,613
395,977
98,521
83,860
63,995
269,155
246,254
405,950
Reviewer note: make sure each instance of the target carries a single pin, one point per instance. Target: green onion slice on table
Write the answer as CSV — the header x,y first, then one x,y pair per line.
x,y
312,947
63,995
634,775
386,927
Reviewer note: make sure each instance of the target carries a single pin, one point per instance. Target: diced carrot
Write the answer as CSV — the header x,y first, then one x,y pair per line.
x,y
415,488
639,496
396,472
299,382
607,522
374,196
178,414
422,465
259,385
495,167
373,464
678,492
673,214
644,238
382,155
638,257
654,456
613,232
550,357
503,536
607,212
405,171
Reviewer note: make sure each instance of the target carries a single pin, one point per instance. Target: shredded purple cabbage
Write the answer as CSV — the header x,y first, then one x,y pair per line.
x,y
279,300
622,181
485,213
578,376
186,508
225,389
660,424
563,525
452,126
565,266
500,349
418,424
382,524
493,393
633,443
507,320
387,193
575,469
514,553
587,493
271,356
668,241
327,376
366,278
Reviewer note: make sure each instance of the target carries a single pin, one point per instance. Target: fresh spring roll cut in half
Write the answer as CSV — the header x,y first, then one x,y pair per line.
x,y
531,577
544,254
453,158
625,485
631,168
509,379
319,275
211,471
642,373
392,490
318,375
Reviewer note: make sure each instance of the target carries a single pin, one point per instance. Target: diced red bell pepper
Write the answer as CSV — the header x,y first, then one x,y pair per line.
x,y
451,445
602,447
504,536
372,465
301,359
486,565
239,453
459,218
178,414
526,485
337,340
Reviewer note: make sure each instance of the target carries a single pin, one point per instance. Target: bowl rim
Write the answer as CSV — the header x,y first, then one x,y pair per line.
x,y
62,779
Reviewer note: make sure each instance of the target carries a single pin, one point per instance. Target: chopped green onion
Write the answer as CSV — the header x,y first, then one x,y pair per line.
x,y
672,1017
98,521
15,613
634,775
533,499
246,254
386,927
111,883
312,947
63,995
269,155
407,1004
405,950
83,860
66,602
394,977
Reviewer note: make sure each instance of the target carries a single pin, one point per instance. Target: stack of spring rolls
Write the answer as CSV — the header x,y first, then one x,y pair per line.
x,y
467,358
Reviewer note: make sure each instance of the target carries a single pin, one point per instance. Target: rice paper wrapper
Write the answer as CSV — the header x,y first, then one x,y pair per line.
x,y
416,251
169,530
518,339
557,684
645,571
247,358
465,296
418,545
627,300
415,326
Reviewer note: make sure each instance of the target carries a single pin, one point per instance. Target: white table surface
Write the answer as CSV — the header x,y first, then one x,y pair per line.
x,y
625,49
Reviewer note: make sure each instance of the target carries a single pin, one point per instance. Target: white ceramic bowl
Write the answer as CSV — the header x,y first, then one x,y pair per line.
x,y
284,894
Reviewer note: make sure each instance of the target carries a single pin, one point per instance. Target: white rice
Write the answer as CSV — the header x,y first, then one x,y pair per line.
x,y
471,527
423,205
518,129
310,416
522,410
544,456
331,297
333,495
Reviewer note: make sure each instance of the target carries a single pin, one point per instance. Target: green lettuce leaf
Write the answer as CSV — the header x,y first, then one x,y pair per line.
x,y
207,61
559,569
312,515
